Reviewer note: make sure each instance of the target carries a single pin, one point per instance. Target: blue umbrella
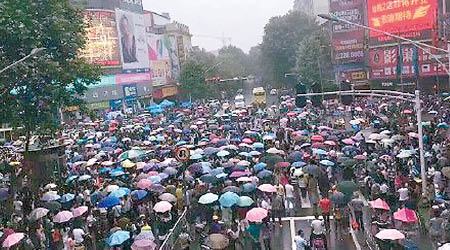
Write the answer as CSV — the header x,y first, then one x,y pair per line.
x,y
254,153
326,163
319,151
71,178
109,202
258,145
196,157
228,199
245,201
298,164
96,196
223,153
117,173
181,143
104,170
170,171
208,198
163,175
248,187
264,174
155,178
4,194
260,166
210,150
118,238
121,192
139,194
67,197
236,140
245,154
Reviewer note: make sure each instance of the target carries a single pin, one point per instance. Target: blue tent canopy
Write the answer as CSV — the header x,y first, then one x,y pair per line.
x,y
166,103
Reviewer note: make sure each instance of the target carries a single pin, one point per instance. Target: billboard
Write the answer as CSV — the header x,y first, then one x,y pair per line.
x,y
133,47
383,63
173,56
102,46
160,64
408,18
348,40
130,93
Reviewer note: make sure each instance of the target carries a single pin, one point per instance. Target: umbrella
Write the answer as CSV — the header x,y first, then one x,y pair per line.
x,y
233,189
248,187
131,154
446,171
208,178
118,238
67,197
170,171
12,239
348,141
295,156
223,153
271,160
121,192
52,206
162,207
128,164
379,204
264,174
317,138
50,196
109,202
158,188
245,201
319,151
405,215
312,170
347,187
218,241
145,234
196,157
338,197
260,166
238,174
4,193
144,183
79,211
326,163
111,188
446,246
257,145
63,216
38,213
390,234
84,177
208,198
143,244
330,143
268,188
256,214
273,151
168,197
298,164
282,164
228,199
139,194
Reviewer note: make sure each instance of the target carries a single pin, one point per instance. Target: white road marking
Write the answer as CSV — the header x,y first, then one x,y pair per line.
x,y
292,226
301,218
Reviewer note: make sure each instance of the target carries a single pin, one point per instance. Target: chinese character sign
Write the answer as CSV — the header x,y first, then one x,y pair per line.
x,y
401,16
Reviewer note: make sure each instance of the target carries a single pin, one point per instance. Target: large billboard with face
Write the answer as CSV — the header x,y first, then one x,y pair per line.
x,y
348,40
102,47
408,18
133,46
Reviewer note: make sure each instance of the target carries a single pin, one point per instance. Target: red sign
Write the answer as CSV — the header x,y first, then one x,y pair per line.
x,y
383,63
405,17
349,47
182,154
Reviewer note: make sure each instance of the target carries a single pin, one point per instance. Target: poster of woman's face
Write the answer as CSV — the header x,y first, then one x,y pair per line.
x,y
128,40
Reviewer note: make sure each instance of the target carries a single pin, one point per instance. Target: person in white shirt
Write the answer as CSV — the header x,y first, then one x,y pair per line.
x,y
403,193
78,235
300,241
290,200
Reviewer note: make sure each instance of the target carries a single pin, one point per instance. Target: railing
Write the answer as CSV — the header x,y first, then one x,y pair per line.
x,y
172,237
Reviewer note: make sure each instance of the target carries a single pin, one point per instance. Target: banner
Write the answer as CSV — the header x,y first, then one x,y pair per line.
x,y
408,18
102,46
160,63
133,78
130,93
133,47
173,55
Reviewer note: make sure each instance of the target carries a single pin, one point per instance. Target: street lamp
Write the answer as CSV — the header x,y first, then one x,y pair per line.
x,y
33,51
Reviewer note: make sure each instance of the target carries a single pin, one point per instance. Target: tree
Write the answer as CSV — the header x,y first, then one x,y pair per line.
x,y
232,62
313,66
281,40
33,91
192,79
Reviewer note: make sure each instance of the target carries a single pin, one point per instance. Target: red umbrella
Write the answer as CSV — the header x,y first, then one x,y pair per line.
x,y
318,138
407,111
379,204
405,215
256,214
360,157
283,164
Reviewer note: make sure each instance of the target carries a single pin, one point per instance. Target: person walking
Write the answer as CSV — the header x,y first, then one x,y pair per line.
x,y
300,241
325,208
290,200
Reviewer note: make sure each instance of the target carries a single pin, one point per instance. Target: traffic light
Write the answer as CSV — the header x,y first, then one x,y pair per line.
x,y
346,99
300,101
317,100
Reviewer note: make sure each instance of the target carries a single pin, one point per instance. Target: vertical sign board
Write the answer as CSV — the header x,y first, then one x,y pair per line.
x,y
130,94
348,40
133,46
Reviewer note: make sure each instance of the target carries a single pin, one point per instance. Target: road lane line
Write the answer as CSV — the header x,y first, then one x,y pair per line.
x,y
292,226
301,218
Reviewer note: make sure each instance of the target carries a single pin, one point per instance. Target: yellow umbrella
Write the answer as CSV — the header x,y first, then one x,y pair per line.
x,y
128,164
15,163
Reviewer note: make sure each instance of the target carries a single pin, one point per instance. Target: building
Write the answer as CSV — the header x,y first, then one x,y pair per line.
x,y
183,37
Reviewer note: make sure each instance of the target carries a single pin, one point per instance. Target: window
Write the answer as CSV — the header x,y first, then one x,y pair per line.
x,y
105,93
114,92
95,95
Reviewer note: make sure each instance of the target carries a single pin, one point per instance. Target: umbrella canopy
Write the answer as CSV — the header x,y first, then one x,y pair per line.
x,y
79,211
228,199
379,204
63,216
405,215
67,197
12,239
390,234
144,184
50,196
312,170
338,197
168,197
162,207
139,194
131,154
282,164
248,187
143,244
208,198
326,163
347,187
218,241
264,174
233,189
109,202
245,201
268,188
118,238
38,213
256,214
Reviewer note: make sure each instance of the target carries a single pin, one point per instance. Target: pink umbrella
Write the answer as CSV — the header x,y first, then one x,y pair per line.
x,y
12,239
63,216
152,173
237,174
330,143
390,234
291,114
79,211
324,128
379,204
413,135
162,207
283,164
244,179
247,140
405,215
317,138
407,111
360,157
256,214
143,244
144,183
268,188
317,145
348,141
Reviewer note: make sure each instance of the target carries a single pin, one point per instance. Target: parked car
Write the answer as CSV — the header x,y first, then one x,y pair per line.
x,y
274,92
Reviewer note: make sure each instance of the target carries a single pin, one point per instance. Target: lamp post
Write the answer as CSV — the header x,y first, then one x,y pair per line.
x,y
33,51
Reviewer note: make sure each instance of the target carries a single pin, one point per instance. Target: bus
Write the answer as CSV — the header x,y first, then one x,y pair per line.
x,y
259,96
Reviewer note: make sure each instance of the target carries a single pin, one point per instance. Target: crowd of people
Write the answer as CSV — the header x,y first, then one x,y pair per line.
x,y
228,177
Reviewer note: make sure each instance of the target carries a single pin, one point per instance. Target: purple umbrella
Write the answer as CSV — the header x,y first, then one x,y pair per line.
x,y
158,188
4,194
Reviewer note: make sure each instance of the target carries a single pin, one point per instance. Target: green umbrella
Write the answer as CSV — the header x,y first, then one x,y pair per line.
x,y
350,163
208,198
245,201
347,187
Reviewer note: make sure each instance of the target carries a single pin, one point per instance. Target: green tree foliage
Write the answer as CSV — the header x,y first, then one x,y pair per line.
x,y
32,91
282,36
232,62
192,79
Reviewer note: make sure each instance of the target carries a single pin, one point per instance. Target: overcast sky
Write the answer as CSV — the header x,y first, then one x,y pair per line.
x,y
241,20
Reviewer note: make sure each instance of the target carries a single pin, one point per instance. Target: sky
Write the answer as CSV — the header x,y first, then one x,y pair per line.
x,y
241,20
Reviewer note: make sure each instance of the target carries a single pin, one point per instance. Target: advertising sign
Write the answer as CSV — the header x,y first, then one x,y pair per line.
x,y
409,18
383,63
133,47
102,47
130,93
160,64
348,40
173,55
133,5
133,78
